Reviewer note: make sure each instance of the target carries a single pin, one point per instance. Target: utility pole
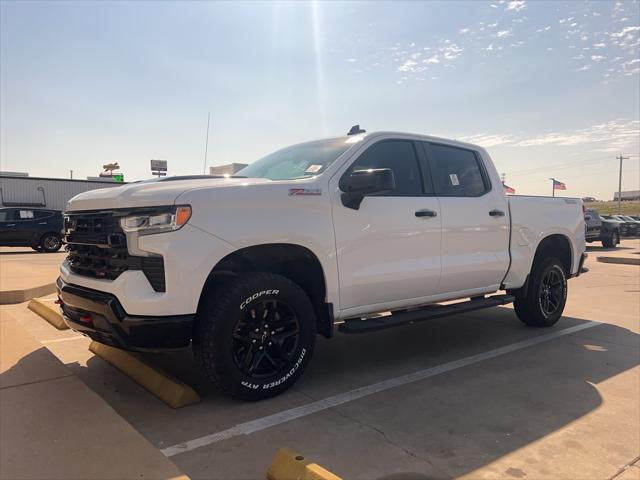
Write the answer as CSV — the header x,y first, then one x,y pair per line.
x,y
621,158
71,173
206,144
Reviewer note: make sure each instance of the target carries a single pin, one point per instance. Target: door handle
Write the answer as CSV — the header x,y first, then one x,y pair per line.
x,y
496,213
426,213
11,225
42,223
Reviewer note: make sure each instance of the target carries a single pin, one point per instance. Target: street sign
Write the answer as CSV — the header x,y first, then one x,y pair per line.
x,y
118,177
158,165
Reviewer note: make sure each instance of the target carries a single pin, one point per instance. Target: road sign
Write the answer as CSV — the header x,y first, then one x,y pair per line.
x,y
158,165
118,177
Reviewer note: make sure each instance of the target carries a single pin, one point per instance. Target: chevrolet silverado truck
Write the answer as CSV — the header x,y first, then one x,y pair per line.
x,y
357,233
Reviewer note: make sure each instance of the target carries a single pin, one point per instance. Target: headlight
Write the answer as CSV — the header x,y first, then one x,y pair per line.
x,y
173,218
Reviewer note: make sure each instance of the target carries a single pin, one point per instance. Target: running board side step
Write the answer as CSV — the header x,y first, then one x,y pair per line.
x,y
407,317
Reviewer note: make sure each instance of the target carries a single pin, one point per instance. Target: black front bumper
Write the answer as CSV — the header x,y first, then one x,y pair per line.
x,y
101,317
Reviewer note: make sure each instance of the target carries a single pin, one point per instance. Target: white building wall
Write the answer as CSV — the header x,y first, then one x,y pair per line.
x,y
45,192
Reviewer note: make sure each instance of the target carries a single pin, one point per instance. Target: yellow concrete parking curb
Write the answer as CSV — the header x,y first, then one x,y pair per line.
x,y
620,260
49,311
289,465
168,389
8,297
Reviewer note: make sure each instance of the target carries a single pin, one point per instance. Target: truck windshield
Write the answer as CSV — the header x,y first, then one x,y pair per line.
x,y
299,161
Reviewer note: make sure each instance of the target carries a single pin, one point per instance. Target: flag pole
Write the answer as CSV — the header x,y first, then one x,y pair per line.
x,y
553,190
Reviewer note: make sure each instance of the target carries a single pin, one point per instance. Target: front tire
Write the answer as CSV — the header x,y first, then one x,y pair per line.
x,y
50,242
542,304
254,337
612,240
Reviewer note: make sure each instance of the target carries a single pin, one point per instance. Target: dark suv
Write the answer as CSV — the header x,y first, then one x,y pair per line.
x,y
601,228
30,227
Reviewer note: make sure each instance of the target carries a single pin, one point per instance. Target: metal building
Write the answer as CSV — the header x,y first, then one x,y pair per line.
x,y
21,190
228,169
629,195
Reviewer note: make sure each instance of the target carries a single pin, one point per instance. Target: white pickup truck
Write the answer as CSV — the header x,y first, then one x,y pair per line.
x,y
363,231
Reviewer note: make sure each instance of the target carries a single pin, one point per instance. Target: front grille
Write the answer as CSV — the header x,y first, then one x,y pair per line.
x,y
97,248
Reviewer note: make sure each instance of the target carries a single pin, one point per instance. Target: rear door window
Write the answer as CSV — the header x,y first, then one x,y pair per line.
x,y
25,214
457,172
43,214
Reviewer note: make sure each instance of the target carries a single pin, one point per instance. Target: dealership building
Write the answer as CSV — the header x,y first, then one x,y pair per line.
x,y
18,189
630,195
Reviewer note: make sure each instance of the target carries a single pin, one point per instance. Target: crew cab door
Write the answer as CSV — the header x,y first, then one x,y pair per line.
x,y
475,220
388,250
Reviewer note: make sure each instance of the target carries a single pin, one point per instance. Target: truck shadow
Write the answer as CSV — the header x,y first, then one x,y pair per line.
x,y
459,421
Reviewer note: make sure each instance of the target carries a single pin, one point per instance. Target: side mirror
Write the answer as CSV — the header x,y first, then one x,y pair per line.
x,y
587,217
361,183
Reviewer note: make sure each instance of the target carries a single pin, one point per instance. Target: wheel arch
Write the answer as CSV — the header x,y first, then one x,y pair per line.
x,y
295,262
557,245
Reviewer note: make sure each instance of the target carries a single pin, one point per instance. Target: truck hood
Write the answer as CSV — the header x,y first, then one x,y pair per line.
x,y
150,194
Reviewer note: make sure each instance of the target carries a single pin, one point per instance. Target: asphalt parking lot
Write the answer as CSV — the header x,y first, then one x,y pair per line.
x,y
474,396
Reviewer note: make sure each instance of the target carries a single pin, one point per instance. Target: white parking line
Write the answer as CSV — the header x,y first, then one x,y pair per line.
x,y
263,423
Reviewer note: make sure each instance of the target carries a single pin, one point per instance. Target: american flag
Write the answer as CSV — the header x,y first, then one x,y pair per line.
x,y
558,185
508,189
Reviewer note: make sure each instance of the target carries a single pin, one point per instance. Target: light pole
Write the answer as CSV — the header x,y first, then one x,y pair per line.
x,y
621,158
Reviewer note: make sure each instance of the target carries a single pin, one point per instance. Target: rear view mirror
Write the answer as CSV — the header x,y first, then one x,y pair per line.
x,y
361,183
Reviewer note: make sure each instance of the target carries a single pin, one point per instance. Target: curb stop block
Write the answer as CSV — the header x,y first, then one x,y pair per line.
x,y
168,389
49,311
289,465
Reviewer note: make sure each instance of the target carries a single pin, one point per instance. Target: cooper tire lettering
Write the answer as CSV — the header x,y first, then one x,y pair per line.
x,y
256,295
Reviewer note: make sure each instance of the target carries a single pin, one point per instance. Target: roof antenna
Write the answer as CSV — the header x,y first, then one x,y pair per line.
x,y
356,130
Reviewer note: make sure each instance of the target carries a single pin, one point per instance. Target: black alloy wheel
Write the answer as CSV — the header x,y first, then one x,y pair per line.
x,y
551,292
265,338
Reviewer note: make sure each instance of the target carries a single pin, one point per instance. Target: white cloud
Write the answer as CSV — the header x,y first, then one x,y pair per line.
x,y
408,66
516,5
599,45
493,25
432,59
578,57
463,30
451,51
597,58
583,68
351,60
624,32
488,140
504,33
615,133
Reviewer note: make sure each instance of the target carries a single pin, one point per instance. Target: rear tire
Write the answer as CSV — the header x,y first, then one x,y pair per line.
x,y
542,304
254,337
612,240
50,242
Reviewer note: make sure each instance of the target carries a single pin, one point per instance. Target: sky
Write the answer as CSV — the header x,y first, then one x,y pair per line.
x,y
551,89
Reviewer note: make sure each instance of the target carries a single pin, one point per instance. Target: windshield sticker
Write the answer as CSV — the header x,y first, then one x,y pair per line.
x,y
26,214
304,191
313,169
454,179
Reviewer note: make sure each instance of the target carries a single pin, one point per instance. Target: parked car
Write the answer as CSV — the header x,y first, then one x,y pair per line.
x,y
634,227
248,270
602,229
627,229
40,229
